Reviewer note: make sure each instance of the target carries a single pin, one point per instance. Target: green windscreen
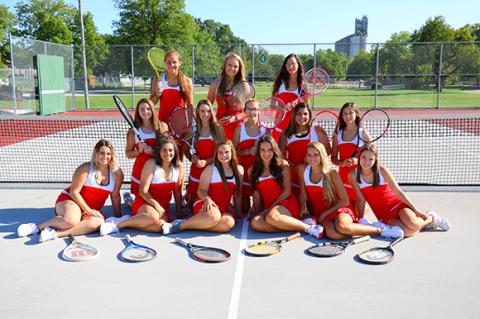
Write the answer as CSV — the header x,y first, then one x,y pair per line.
x,y
51,89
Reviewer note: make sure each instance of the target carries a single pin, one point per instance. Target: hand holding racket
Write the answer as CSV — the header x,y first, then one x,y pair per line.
x,y
379,255
272,112
78,251
267,248
156,57
182,124
334,248
206,254
134,252
238,95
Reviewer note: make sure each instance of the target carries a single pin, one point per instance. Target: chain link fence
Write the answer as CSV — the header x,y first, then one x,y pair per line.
x,y
428,75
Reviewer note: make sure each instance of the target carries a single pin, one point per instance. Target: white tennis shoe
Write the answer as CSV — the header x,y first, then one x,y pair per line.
x,y
438,222
316,231
108,228
117,220
47,234
27,229
309,221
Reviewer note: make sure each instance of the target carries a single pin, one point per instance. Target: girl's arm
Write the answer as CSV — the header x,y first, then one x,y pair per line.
x,y
303,193
352,179
203,187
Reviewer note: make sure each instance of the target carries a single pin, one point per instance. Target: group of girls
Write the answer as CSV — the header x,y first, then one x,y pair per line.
x,y
281,179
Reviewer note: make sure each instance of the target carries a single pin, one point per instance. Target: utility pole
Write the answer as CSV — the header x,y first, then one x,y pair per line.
x,y
84,58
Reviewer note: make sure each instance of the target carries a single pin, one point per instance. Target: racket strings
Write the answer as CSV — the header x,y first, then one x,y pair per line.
x,y
138,254
80,252
156,57
375,123
210,254
182,123
264,249
327,250
378,254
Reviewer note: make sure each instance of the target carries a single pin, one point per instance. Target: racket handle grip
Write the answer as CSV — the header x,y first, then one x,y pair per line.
x,y
181,242
294,236
361,240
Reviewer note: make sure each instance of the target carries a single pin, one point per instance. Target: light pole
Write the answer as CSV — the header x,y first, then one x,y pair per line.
x,y
84,58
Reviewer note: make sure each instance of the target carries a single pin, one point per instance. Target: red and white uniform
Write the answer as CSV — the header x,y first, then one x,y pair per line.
x,y
317,199
270,190
170,99
92,193
141,159
345,151
286,96
383,201
160,189
205,149
296,152
217,193
223,110
245,142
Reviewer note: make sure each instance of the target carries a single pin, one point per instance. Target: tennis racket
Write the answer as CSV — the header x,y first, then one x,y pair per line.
x,y
78,251
378,255
126,115
156,57
272,112
182,124
316,81
267,248
375,122
134,252
329,123
334,248
206,254
239,94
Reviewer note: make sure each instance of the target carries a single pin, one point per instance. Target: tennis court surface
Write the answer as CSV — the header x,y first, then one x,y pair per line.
x,y
434,275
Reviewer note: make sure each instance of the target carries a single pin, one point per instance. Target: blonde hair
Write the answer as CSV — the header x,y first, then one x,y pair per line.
x,y
113,165
329,190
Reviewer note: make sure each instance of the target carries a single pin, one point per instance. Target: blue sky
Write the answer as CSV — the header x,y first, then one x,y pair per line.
x,y
307,21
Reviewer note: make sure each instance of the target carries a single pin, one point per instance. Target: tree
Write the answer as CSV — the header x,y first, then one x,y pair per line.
x,y
153,22
333,62
222,34
45,20
7,22
362,66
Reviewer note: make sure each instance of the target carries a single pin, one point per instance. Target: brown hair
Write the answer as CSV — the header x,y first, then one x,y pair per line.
x,y
275,167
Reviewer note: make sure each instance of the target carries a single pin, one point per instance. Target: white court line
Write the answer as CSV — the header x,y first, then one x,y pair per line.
x,y
237,281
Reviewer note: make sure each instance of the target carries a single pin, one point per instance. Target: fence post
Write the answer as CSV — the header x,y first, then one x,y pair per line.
x,y
376,74
193,64
132,68
439,83
314,65
72,78
14,96
253,64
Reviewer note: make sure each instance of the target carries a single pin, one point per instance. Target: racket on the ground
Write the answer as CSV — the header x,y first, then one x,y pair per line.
x,y
78,251
315,82
134,252
270,247
182,125
238,95
332,249
204,253
156,57
272,112
378,255
329,123
126,115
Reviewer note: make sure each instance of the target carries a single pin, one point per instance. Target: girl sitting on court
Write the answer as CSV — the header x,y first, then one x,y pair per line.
x,y
373,183
149,129
78,207
219,182
206,135
322,190
161,176
245,138
276,208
